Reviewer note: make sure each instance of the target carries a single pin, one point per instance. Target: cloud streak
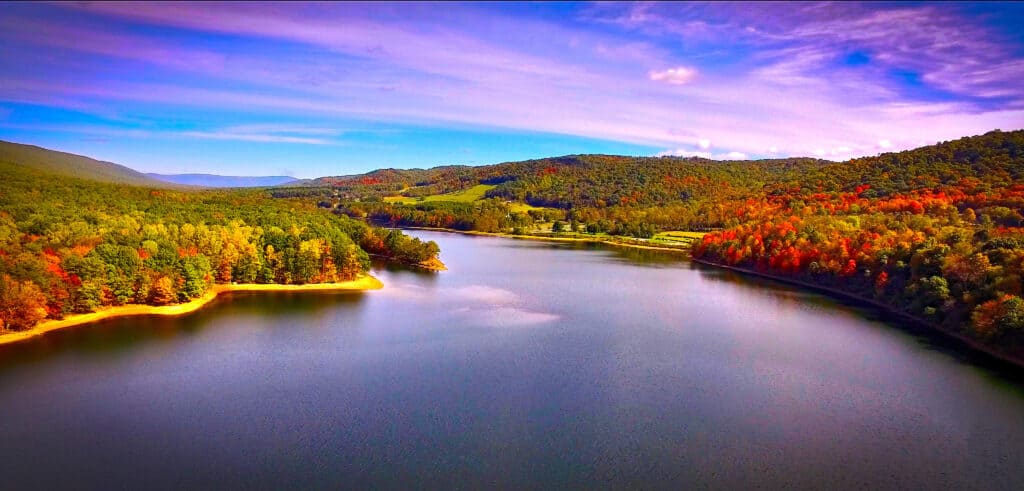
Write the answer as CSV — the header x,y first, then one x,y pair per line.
x,y
839,79
250,137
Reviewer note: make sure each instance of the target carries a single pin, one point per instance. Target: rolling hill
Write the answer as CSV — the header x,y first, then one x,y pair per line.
x,y
14,155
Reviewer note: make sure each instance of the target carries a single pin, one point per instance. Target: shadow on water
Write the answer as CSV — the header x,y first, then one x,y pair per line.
x,y
393,267
648,257
124,334
626,255
923,335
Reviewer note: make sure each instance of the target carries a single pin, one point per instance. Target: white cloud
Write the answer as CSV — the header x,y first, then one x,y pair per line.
x,y
773,150
675,76
820,152
682,152
704,143
884,144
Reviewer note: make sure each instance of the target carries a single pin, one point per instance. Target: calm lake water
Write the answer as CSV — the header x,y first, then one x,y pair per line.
x,y
525,365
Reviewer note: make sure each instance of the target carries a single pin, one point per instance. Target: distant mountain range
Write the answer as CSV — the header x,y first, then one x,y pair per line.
x,y
216,181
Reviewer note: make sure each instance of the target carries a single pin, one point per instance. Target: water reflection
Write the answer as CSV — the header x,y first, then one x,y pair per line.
x,y
110,337
925,337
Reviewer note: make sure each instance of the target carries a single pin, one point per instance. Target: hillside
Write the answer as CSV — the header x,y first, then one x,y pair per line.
x,y
70,245
935,233
577,180
17,155
618,195
218,181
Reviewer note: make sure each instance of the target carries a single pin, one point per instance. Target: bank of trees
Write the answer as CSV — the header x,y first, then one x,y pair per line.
x,y
72,245
935,232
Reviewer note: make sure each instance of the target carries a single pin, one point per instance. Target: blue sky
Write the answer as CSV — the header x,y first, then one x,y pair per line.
x,y
328,89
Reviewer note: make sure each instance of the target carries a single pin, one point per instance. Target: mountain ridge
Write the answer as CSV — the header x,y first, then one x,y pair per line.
x,y
72,165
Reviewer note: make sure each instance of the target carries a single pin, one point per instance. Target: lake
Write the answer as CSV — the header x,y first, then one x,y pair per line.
x,y
526,365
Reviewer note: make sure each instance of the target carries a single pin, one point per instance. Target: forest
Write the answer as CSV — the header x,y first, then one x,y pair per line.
x,y
602,194
936,233
72,245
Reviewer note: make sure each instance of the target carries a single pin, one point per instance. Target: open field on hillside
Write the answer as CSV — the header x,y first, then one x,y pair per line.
x,y
467,195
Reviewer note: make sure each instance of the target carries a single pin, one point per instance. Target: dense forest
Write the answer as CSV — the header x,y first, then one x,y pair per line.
x,y
936,233
71,245
599,194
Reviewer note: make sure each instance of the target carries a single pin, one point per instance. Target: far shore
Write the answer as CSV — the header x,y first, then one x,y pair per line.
x,y
361,284
590,240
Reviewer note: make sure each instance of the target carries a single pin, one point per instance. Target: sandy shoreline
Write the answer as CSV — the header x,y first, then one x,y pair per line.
x,y
362,284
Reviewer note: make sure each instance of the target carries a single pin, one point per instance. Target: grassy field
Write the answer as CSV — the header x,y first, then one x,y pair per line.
x,y
402,200
677,237
468,195
516,207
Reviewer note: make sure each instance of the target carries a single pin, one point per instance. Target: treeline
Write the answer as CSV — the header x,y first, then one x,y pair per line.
x,y
497,215
934,232
485,215
600,194
72,245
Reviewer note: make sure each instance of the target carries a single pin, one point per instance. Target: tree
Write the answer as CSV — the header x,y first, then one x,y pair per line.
x,y
22,304
87,298
163,292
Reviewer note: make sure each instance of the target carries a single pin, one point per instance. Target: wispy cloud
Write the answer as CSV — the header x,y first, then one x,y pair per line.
x,y
251,137
240,133
831,77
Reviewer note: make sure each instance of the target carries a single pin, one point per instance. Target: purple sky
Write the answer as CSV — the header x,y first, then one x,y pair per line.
x,y
327,89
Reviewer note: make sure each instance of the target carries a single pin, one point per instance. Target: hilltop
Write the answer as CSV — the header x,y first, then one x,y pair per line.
x,y
17,156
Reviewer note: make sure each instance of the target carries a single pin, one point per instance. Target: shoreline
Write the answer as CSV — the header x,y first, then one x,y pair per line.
x,y
545,238
967,342
363,283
